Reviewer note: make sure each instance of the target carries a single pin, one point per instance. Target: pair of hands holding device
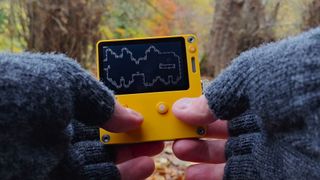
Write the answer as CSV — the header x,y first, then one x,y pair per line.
x,y
194,111
269,95
50,112
270,99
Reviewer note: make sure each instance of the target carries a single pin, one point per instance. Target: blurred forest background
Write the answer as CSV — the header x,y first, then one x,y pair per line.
x,y
225,28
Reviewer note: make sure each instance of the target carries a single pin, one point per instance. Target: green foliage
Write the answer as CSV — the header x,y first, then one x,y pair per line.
x,y
138,18
9,38
3,19
121,19
124,19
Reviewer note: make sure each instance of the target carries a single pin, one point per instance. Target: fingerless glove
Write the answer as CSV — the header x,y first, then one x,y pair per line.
x,y
39,95
271,97
87,157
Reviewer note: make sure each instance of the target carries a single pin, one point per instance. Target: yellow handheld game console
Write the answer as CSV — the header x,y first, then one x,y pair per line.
x,y
149,75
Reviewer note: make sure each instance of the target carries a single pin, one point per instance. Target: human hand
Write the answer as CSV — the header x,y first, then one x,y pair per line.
x,y
89,158
209,153
132,160
269,95
40,94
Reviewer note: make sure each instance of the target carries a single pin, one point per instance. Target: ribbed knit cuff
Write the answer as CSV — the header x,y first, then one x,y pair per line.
x,y
242,145
248,122
101,171
86,147
81,132
245,136
88,160
241,168
87,152
241,157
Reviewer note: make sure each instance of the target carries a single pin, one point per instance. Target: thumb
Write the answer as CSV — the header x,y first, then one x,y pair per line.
x,y
123,120
194,111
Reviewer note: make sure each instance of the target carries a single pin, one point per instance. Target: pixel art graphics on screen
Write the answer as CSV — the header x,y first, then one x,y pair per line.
x,y
149,67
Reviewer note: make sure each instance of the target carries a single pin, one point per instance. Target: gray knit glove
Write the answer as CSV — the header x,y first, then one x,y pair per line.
x,y
271,95
39,95
87,158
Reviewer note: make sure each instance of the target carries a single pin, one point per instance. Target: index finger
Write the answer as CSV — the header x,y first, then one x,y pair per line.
x,y
130,151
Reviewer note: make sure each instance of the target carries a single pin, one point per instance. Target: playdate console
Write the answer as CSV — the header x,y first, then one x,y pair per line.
x,y
149,75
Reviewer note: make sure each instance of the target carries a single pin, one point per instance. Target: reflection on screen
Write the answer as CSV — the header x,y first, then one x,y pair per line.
x,y
139,66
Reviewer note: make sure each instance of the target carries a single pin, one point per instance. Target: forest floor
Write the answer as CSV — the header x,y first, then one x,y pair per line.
x,y
168,167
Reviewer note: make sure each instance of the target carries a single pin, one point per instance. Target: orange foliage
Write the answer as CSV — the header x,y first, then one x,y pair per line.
x,y
164,19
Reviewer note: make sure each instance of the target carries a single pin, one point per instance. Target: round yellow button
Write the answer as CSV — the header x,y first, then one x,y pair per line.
x,y
162,108
192,49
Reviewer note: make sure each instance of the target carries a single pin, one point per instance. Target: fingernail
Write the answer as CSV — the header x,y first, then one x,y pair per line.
x,y
183,103
137,115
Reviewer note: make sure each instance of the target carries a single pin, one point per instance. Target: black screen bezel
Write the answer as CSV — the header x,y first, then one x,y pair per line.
x,y
181,40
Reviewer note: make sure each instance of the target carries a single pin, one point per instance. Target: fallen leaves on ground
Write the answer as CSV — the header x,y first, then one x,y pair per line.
x,y
168,167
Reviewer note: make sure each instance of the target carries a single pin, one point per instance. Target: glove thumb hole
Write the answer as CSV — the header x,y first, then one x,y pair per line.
x,y
94,102
226,95
248,122
81,132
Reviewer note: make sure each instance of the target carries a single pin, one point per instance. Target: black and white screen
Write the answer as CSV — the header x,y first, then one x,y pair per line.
x,y
139,66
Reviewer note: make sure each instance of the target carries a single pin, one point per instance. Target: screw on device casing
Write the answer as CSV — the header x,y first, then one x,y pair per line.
x,y
201,131
105,138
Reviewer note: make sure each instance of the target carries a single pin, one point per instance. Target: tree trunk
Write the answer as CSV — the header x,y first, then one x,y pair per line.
x,y
237,26
311,17
69,27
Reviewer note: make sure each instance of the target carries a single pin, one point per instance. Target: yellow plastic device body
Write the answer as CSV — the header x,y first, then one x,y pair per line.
x,y
156,107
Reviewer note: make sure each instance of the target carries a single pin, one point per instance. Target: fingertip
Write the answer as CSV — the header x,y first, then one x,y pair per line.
x,y
180,148
138,168
135,115
147,149
182,104
205,171
149,165
194,111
